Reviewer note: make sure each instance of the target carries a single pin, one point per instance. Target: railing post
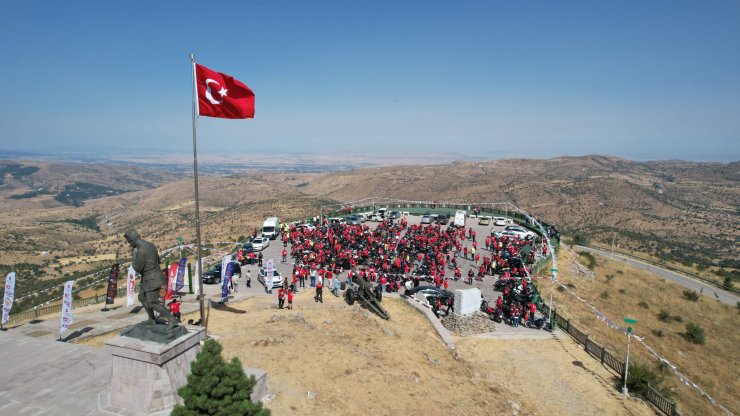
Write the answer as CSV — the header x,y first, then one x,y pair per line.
x,y
35,311
585,344
603,350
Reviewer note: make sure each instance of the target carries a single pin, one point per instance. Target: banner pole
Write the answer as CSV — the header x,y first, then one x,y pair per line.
x,y
197,202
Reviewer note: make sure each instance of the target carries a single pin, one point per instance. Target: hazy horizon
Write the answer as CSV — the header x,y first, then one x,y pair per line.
x,y
483,80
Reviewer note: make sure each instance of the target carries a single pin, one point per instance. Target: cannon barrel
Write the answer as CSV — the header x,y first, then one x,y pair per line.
x,y
361,292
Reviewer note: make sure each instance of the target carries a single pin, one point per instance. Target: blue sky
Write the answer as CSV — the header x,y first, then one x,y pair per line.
x,y
641,80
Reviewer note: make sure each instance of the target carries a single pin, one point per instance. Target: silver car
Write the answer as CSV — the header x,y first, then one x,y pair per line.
x,y
260,243
277,278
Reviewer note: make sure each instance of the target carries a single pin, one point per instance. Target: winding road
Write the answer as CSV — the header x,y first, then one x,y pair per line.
x,y
686,281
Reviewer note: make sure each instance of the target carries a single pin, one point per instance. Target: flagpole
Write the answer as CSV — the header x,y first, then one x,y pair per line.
x,y
197,202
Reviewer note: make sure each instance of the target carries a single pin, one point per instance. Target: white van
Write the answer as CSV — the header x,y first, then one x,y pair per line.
x,y
271,228
460,219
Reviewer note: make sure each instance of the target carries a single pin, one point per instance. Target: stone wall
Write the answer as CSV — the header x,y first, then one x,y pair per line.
x,y
475,323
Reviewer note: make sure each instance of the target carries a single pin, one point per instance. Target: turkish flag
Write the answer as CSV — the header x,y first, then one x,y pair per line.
x,y
222,96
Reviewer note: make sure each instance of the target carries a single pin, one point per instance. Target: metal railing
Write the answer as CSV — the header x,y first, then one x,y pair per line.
x,y
41,311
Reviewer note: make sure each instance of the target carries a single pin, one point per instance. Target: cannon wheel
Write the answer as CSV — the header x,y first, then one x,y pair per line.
x,y
349,295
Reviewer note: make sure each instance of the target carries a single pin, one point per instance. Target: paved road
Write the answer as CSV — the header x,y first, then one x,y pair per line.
x,y
681,279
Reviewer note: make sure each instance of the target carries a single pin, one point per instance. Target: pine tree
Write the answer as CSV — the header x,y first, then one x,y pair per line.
x,y
217,388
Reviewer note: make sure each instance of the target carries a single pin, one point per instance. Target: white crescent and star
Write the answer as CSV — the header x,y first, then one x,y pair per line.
x,y
221,92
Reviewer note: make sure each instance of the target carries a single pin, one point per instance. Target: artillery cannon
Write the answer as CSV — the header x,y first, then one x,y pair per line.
x,y
360,291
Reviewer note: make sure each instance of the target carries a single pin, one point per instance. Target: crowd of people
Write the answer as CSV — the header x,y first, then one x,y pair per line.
x,y
395,256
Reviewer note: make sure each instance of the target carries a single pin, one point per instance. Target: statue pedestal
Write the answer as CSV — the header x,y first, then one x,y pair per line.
x,y
145,375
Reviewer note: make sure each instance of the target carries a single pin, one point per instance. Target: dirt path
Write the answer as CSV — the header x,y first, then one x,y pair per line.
x,y
555,374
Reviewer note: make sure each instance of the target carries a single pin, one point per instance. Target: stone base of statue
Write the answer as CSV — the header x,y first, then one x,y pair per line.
x,y
155,332
146,374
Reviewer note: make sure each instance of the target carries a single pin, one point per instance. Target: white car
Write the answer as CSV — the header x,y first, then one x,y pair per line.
x,y
499,221
510,234
426,219
377,218
362,217
302,227
520,231
277,278
260,243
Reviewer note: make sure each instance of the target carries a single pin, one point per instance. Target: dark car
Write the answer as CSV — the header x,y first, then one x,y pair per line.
x,y
394,215
430,294
247,247
214,274
443,219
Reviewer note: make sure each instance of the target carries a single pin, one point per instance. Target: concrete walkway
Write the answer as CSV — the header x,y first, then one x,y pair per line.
x,y
43,377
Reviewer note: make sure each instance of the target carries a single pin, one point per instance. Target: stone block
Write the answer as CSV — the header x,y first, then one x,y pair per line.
x,y
260,387
145,375
467,301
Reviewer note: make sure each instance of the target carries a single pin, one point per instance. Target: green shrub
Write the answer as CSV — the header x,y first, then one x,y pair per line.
x,y
589,258
622,291
604,295
727,283
609,278
677,318
694,334
216,387
691,295
580,239
657,332
643,305
664,316
638,377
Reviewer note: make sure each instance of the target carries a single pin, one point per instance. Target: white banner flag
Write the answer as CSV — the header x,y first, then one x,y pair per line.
x,y
130,286
9,295
196,282
67,306
270,268
225,262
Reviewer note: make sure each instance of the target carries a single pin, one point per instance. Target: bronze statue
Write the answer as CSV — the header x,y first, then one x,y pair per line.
x,y
145,261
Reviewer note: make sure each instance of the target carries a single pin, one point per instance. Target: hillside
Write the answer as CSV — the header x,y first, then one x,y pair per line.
x,y
682,211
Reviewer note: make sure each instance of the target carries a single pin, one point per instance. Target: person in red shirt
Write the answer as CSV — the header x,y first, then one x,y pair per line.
x,y
290,299
281,297
532,310
175,308
285,255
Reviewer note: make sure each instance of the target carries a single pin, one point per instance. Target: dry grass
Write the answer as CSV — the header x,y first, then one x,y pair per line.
x,y
712,366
